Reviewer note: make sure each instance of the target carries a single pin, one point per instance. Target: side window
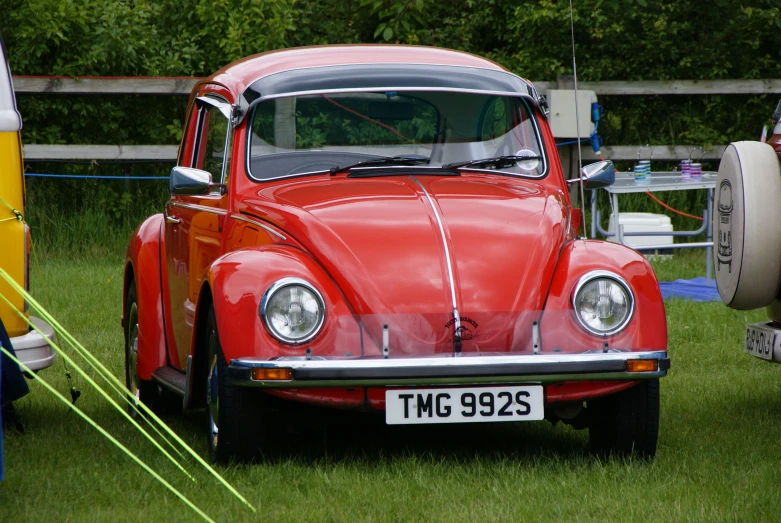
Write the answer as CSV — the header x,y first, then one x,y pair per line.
x,y
213,141
185,158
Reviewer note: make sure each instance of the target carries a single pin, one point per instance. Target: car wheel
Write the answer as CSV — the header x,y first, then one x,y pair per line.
x,y
235,415
626,423
142,391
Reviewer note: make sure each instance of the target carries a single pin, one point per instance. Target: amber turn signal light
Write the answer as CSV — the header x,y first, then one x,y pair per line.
x,y
261,374
642,365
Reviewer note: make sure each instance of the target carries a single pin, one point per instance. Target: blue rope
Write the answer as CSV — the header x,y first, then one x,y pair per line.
x,y
94,177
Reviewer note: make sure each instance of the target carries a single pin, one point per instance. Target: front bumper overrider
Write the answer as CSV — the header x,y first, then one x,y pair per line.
x,y
478,368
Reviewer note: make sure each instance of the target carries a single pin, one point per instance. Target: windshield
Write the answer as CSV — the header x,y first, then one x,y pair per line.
x,y
428,130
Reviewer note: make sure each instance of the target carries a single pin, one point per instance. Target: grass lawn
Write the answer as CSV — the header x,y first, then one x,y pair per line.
x,y
719,454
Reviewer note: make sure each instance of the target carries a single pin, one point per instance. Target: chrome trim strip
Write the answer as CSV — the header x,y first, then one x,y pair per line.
x,y
469,359
592,275
538,135
448,259
196,207
279,285
465,369
313,92
481,380
266,228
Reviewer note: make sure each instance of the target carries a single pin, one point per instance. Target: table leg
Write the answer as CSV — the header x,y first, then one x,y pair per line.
x,y
619,232
709,236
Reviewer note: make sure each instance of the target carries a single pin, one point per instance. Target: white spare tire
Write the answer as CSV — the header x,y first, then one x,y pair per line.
x,y
747,226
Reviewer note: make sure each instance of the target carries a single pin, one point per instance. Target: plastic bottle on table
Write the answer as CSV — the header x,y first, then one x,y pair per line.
x,y
686,169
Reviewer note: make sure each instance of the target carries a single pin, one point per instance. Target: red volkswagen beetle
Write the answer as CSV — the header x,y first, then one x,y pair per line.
x,y
386,228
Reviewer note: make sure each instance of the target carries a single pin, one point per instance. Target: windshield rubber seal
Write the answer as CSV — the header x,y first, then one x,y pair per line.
x,y
524,98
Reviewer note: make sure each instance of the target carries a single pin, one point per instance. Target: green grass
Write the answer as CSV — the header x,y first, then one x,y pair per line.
x,y
719,451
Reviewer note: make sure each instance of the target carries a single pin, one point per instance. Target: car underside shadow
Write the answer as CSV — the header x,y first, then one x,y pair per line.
x,y
308,433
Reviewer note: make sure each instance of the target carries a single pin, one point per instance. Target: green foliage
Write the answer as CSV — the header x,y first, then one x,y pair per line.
x,y
238,28
615,40
398,18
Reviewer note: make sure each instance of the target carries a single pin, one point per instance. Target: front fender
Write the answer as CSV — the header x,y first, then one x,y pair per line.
x,y
143,265
647,329
238,281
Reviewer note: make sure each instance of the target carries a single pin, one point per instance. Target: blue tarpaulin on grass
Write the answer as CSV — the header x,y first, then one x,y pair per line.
x,y
697,289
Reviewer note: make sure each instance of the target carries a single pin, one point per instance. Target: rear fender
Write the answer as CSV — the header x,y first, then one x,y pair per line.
x,y
238,281
559,329
142,265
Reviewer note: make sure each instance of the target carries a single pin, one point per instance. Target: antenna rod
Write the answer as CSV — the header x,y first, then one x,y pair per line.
x,y
577,120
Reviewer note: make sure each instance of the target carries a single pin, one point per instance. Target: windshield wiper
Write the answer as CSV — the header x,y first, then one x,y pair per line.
x,y
410,159
496,161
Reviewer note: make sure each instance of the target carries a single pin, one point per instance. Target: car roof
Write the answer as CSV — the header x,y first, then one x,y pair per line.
x,y
240,74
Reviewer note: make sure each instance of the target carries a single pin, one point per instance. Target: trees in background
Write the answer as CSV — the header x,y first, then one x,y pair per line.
x,y
615,40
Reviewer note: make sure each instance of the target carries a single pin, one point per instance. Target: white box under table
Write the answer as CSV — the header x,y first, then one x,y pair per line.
x,y
642,222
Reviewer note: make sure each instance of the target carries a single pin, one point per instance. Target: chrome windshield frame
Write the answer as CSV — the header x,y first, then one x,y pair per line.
x,y
524,97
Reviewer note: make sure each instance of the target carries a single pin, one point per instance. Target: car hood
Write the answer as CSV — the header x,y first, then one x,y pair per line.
x,y
399,248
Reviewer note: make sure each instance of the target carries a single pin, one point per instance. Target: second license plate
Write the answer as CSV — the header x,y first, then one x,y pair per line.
x,y
464,405
761,341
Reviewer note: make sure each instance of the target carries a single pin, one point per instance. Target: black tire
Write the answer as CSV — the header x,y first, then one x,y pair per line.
x,y
235,416
626,423
144,391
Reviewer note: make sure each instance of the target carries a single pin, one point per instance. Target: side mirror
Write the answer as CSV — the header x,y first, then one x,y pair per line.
x,y
186,180
596,175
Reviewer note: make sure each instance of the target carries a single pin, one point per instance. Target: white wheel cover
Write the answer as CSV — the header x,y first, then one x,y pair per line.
x,y
747,226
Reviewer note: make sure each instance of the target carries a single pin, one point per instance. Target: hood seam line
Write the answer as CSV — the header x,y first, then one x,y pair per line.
x,y
449,263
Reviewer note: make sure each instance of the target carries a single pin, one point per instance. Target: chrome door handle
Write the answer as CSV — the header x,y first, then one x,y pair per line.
x,y
172,219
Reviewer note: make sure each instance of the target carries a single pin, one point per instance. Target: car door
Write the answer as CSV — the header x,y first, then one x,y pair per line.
x,y
193,223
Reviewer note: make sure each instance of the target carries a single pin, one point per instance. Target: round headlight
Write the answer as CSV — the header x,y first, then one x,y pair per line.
x,y
292,310
603,302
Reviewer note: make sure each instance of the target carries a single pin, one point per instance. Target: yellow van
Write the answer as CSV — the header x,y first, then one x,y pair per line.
x,y
30,347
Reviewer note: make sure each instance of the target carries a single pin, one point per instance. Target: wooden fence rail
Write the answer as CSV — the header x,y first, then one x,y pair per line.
x,y
183,86
167,153
102,85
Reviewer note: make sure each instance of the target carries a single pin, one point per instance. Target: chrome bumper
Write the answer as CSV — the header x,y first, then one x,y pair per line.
x,y
448,370
32,349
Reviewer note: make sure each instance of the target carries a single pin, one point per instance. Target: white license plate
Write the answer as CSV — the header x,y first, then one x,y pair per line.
x,y
761,341
464,405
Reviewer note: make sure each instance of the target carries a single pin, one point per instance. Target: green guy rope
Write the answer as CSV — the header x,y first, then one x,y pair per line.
x,y
123,392
110,377
109,436
17,215
97,387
